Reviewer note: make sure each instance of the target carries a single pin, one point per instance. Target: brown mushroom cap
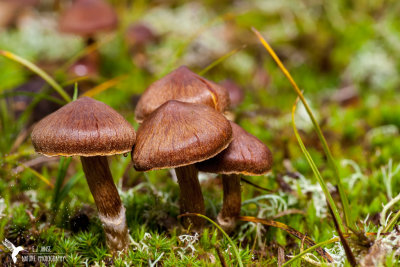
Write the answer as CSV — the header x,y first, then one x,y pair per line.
x,y
139,34
84,127
86,17
245,155
236,94
183,85
178,134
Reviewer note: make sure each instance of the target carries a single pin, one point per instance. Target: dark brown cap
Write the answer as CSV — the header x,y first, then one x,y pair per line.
x,y
86,17
178,134
245,155
84,127
183,85
236,94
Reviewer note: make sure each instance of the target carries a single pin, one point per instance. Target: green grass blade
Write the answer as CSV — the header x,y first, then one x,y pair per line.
x,y
38,71
68,186
392,222
304,252
62,171
235,249
316,172
38,175
221,59
75,96
343,197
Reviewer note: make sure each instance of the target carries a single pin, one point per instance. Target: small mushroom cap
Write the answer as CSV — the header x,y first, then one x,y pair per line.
x,y
86,17
245,155
139,35
236,94
178,134
84,127
183,85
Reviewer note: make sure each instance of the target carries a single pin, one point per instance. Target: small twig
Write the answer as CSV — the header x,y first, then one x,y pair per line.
x,y
289,230
220,256
281,256
255,185
288,212
302,243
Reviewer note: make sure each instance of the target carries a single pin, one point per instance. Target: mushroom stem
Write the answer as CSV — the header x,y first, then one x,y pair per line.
x,y
231,203
108,202
90,40
191,198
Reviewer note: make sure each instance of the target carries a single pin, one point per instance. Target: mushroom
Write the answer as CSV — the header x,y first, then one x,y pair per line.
x,y
138,36
182,85
177,135
86,18
12,12
92,130
245,155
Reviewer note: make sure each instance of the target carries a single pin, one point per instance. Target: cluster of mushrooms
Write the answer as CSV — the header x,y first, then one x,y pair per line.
x,y
182,127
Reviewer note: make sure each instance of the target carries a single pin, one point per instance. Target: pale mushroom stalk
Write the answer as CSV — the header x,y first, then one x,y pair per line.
x,y
232,201
191,198
109,205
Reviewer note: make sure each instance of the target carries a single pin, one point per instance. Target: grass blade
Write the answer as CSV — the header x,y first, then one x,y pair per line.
x,y
38,71
104,86
68,186
304,252
343,198
235,249
219,60
392,222
289,230
62,171
256,185
75,96
38,175
346,247
316,172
